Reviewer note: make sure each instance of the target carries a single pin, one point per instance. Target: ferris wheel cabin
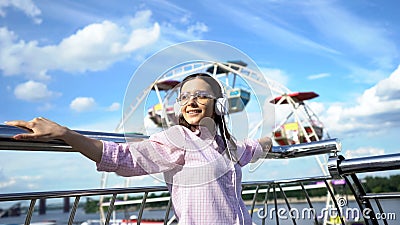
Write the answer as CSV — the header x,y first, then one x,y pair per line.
x,y
237,99
305,127
157,113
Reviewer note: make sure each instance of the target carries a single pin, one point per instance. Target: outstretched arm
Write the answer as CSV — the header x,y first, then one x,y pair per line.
x,y
42,129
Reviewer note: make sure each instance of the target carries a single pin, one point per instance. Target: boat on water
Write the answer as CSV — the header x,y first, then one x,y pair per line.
x,y
124,222
131,221
36,223
14,210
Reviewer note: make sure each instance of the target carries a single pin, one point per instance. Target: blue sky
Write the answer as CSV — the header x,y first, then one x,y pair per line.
x,y
71,62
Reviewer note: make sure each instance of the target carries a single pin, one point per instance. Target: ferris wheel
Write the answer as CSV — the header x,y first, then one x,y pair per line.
x,y
165,89
294,122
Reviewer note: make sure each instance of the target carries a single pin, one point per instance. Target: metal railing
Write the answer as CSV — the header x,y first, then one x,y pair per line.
x,y
338,166
78,194
292,151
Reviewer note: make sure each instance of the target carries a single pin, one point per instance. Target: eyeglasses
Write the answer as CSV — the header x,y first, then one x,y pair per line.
x,y
200,97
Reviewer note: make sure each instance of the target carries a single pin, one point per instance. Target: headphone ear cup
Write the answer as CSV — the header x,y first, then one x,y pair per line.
x,y
221,106
177,109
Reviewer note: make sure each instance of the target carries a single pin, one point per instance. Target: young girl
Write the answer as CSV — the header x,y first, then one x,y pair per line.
x,y
200,160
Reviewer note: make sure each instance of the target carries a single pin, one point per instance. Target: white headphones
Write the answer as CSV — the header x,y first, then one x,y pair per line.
x,y
221,104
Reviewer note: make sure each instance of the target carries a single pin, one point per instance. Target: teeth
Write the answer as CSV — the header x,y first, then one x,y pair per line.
x,y
194,111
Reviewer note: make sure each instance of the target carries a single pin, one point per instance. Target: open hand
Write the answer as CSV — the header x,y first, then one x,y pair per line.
x,y
39,129
266,143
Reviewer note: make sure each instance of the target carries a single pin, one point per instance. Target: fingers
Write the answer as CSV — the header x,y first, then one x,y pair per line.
x,y
25,136
18,123
28,126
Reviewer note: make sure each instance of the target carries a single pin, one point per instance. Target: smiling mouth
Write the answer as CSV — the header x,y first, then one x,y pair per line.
x,y
193,111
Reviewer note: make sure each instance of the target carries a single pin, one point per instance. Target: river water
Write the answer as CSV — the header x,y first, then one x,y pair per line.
x,y
301,212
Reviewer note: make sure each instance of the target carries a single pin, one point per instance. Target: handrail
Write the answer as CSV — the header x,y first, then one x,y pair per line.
x,y
277,152
339,166
80,193
8,143
305,149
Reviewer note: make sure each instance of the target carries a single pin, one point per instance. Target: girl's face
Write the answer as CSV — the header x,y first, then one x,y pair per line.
x,y
197,108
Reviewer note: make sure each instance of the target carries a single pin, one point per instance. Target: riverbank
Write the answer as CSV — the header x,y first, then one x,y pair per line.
x,y
296,200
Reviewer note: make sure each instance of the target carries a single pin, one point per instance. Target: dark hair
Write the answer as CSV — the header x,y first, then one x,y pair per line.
x,y
218,119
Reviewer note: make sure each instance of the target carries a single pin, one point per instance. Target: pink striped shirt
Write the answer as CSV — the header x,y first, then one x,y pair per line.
x,y
204,183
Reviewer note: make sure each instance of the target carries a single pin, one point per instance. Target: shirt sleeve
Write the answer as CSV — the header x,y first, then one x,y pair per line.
x,y
249,151
160,153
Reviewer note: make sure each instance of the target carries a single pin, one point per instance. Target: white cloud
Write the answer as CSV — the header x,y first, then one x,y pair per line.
x,y
33,91
82,104
277,75
317,107
97,46
369,76
377,108
141,37
26,6
141,19
9,182
197,28
363,151
92,48
389,89
114,107
41,176
185,19
318,76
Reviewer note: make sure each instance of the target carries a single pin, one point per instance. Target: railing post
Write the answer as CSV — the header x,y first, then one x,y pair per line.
x,y
66,205
333,166
42,206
